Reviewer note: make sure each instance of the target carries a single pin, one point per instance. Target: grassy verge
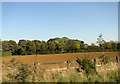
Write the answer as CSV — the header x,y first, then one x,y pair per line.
x,y
111,76
29,74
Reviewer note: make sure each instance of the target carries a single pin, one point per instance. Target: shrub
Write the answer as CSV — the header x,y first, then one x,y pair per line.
x,y
6,53
86,65
105,59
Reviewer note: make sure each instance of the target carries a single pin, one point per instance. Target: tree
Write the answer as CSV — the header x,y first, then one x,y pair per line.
x,y
101,41
13,47
108,46
5,46
77,46
114,45
59,44
65,39
21,51
81,43
43,47
30,47
22,47
118,46
51,46
38,45
22,43
72,46
93,47
65,46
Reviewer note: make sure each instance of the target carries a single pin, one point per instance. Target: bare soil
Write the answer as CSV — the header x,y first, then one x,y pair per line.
x,y
49,58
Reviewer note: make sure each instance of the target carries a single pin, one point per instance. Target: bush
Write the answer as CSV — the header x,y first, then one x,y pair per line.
x,y
105,59
87,66
6,53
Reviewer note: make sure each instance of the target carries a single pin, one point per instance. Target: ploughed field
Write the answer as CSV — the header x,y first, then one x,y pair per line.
x,y
50,58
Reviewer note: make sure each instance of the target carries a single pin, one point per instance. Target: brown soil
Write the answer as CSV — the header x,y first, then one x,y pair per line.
x,y
30,59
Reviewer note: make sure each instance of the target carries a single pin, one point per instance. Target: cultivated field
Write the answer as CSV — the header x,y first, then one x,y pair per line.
x,y
50,58
30,59
59,57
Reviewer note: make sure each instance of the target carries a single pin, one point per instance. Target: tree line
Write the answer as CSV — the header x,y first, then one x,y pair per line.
x,y
58,45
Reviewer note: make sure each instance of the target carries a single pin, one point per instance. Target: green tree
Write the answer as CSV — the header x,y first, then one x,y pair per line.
x,y
59,44
30,47
114,45
72,46
65,45
93,47
22,43
108,46
43,47
5,49
65,38
81,43
118,46
5,46
38,45
13,47
51,46
100,42
22,47
21,51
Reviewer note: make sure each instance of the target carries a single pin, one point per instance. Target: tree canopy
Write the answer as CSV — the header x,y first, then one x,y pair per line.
x,y
58,45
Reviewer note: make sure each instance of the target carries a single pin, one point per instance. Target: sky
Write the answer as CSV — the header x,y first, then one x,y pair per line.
x,y
44,20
